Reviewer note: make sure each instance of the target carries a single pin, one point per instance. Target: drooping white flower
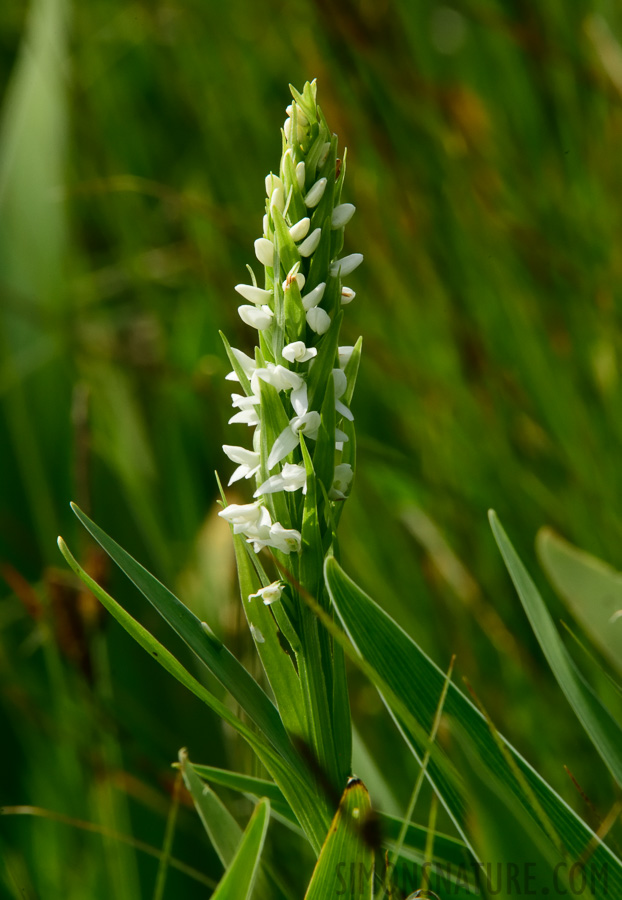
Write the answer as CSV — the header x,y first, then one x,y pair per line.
x,y
342,214
294,275
318,320
341,482
300,175
248,462
245,362
245,516
347,295
259,317
314,297
269,594
264,250
300,229
341,385
287,540
291,478
298,352
346,265
310,243
279,377
316,193
307,424
254,294
248,414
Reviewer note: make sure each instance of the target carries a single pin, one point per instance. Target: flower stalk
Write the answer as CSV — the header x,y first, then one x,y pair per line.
x,y
296,395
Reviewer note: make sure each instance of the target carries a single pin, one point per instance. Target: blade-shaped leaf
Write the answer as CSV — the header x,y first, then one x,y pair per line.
x,y
591,589
207,647
417,682
239,879
600,726
346,863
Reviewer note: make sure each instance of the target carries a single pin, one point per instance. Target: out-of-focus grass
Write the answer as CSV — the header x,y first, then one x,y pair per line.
x,y
484,143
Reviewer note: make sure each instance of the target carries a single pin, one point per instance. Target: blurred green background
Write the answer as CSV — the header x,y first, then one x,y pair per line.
x,y
484,160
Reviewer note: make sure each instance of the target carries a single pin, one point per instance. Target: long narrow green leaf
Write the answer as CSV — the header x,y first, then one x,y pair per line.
x,y
591,589
346,863
207,647
295,782
600,726
239,879
417,682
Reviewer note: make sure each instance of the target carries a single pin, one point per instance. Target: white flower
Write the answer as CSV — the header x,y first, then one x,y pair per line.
x,y
300,175
287,128
259,317
344,354
287,540
298,352
248,462
248,414
300,229
341,384
247,365
315,194
314,297
264,250
245,516
290,478
253,294
346,265
341,482
347,295
307,424
310,243
318,320
342,214
279,377
269,594
294,275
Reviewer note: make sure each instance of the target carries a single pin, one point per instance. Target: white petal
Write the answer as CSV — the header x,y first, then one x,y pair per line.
x,y
347,295
301,229
340,381
308,424
283,446
318,320
265,223
343,410
245,417
241,455
341,435
240,472
300,175
253,294
256,317
264,251
314,297
310,244
300,401
346,265
298,352
247,363
315,194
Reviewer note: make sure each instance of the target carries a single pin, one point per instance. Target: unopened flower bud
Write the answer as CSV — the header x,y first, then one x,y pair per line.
x,y
300,229
347,295
257,317
300,175
264,251
318,320
310,244
342,214
346,265
316,193
254,294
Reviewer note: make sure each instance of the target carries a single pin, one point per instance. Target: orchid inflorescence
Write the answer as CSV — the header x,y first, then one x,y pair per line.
x,y
297,390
